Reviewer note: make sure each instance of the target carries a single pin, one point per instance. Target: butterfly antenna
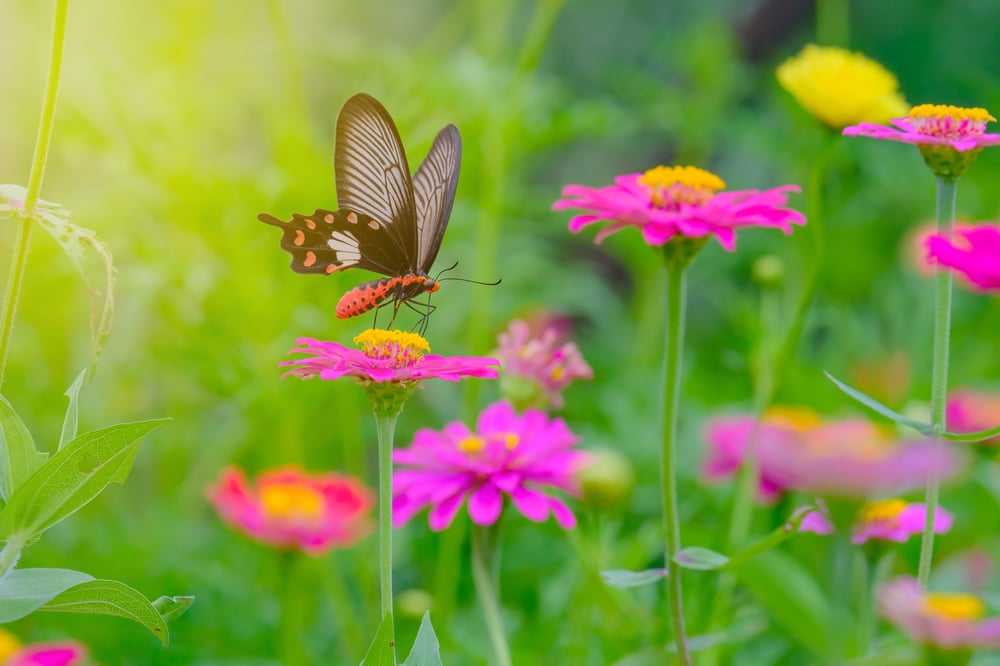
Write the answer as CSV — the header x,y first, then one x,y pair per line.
x,y
485,284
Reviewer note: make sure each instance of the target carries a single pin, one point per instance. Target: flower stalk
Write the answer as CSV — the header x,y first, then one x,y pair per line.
x,y
385,425
15,279
484,555
947,188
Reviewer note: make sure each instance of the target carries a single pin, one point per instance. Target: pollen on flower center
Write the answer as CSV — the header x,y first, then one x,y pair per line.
x,y
882,511
954,606
401,347
511,440
680,184
290,500
796,418
472,444
949,121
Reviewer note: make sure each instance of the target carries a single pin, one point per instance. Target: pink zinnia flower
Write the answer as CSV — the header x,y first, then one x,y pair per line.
x,y
537,366
883,520
289,508
508,454
728,438
385,356
678,201
947,621
67,653
853,458
949,137
973,252
973,411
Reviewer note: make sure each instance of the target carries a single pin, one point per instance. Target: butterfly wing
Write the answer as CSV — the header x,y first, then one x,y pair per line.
x,y
434,187
373,179
328,241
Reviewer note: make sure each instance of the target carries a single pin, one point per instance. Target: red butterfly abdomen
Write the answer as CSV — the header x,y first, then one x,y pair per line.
x,y
369,295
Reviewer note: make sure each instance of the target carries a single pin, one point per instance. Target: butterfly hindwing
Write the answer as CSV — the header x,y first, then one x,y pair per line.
x,y
327,241
434,187
373,177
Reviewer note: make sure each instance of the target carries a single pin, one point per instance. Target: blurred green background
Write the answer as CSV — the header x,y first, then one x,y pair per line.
x,y
179,122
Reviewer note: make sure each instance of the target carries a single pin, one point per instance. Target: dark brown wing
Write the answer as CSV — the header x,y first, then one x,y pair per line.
x,y
373,177
328,241
434,187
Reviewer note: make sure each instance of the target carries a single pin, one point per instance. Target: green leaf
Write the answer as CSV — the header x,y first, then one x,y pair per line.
x,y
74,476
19,458
772,539
23,591
426,649
72,411
624,579
382,651
790,594
171,608
876,406
701,559
972,436
109,597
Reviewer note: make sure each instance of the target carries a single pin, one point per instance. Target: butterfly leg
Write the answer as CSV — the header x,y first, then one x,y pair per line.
x,y
424,310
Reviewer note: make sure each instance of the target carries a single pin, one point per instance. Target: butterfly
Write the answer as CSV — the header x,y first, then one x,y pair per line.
x,y
388,222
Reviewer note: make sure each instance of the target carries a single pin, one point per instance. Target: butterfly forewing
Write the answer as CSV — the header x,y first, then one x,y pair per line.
x,y
373,177
434,187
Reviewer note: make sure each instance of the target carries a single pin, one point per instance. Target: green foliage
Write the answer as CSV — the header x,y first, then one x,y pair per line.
x,y
19,458
72,418
109,597
382,651
426,649
23,591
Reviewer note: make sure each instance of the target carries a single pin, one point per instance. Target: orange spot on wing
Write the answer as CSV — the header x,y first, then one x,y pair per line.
x,y
310,259
373,224
330,269
300,238
310,223
352,218
329,218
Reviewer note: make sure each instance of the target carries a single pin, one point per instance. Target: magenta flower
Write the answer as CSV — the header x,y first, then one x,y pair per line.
x,y
946,621
67,653
949,137
973,411
508,454
288,508
385,356
853,458
973,252
666,202
537,366
883,520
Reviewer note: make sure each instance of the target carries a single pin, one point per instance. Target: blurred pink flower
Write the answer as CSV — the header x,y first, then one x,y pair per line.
x,y
729,436
385,356
973,411
883,520
66,653
544,361
947,621
678,201
517,455
288,508
853,458
972,252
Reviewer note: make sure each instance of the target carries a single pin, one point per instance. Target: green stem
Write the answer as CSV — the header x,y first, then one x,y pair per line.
x,y
947,188
673,344
484,548
385,425
10,554
293,610
12,292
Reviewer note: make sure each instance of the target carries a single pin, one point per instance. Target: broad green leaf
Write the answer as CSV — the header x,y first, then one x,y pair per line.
x,y
624,579
171,608
876,406
382,651
701,559
426,649
74,240
23,591
972,436
72,411
73,476
790,594
109,597
19,458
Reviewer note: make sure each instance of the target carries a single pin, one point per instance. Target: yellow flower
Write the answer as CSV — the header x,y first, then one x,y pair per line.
x,y
842,88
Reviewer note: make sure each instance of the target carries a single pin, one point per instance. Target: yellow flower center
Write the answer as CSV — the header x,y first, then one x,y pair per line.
x,y
9,645
948,122
402,348
289,500
954,606
882,511
511,440
672,186
796,418
557,373
841,88
472,444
